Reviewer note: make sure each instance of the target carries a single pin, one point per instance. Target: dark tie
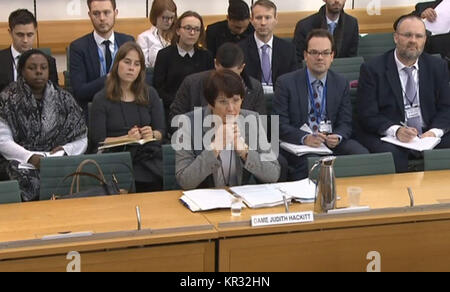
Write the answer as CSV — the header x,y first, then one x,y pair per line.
x,y
314,123
108,57
411,96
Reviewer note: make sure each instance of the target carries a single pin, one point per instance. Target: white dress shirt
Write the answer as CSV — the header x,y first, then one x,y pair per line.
x,y
183,52
112,47
151,42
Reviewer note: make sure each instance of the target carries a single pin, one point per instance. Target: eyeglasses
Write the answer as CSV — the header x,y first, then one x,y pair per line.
x,y
189,28
318,53
167,18
409,35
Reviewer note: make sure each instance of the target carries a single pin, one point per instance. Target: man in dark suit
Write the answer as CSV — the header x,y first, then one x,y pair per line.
x,y
92,55
316,97
332,17
266,56
191,92
22,29
235,28
404,94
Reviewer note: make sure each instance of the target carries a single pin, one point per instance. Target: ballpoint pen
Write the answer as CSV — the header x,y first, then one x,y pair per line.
x,y
406,126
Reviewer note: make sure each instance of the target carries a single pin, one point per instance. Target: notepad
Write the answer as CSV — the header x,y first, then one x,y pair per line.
x,y
301,150
124,142
418,144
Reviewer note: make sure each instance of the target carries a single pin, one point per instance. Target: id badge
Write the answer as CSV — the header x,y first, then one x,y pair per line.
x,y
412,112
325,127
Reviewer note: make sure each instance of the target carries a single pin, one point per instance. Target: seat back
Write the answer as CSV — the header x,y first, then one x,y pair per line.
x,y
55,169
437,159
348,67
10,192
361,165
169,179
372,45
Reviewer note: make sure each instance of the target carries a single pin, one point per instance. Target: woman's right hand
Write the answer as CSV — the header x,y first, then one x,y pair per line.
x,y
134,133
35,160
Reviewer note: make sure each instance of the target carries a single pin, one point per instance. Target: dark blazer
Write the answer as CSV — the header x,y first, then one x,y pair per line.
x,y
422,6
85,67
380,98
7,69
346,34
283,58
190,95
219,33
291,104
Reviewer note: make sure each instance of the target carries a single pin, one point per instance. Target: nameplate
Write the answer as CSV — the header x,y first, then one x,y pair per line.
x,y
283,218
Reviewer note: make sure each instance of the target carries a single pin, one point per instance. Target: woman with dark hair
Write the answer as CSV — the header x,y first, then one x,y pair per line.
x,y
230,152
128,108
37,119
163,16
182,58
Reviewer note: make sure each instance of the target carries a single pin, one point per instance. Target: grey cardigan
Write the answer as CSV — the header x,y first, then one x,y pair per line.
x,y
201,169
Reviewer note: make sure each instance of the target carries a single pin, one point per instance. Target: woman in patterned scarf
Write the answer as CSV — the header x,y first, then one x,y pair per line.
x,y
37,118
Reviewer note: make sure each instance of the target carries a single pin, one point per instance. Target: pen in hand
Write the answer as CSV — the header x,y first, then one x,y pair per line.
x,y
407,127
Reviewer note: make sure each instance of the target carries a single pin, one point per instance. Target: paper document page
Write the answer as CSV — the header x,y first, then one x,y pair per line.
x,y
418,144
442,23
207,199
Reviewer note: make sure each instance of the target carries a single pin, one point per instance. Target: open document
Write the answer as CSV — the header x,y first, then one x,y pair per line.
x,y
442,23
300,150
125,141
418,144
269,195
206,199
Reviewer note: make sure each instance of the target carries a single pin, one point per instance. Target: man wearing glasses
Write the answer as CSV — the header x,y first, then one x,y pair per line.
x,y
92,55
404,93
314,107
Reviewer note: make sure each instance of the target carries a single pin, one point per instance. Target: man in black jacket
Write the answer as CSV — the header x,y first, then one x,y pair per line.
x,y
332,17
235,28
23,31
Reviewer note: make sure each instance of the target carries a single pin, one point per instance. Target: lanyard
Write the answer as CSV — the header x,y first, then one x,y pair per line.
x,y
317,112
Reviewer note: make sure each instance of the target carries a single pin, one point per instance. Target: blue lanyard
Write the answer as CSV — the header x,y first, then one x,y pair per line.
x,y
318,113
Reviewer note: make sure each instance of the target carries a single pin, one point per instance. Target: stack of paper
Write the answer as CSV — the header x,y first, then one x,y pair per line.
x,y
206,199
269,195
418,144
124,142
300,150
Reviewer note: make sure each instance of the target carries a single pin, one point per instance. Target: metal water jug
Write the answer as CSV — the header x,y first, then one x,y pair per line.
x,y
325,184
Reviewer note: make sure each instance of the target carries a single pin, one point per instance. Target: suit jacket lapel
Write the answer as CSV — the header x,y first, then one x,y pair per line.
x,y
303,94
332,102
275,58
394,81
253,55
93,54
424,89
9,64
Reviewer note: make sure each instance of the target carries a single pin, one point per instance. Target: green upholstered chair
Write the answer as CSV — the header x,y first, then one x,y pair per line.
x,y
46,51
437,159
348,67
54,169
9,192
169,179
372,45
361,165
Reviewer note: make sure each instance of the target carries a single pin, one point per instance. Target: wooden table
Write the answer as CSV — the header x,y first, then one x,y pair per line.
x,y
404,238
172,238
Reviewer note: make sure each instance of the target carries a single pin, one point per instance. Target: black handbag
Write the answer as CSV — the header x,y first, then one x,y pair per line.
x,y
104,189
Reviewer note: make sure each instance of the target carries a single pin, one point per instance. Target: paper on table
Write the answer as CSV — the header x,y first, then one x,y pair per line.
x,y
418,144
442,23
206,199
269,195
301,150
